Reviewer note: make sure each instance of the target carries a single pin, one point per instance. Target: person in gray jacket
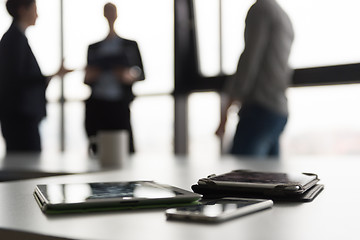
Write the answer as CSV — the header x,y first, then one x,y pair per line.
x,y
260,82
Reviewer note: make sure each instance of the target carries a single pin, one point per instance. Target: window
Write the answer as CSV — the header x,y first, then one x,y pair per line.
x,y
322,119
325,33
84,24
152,29
150,23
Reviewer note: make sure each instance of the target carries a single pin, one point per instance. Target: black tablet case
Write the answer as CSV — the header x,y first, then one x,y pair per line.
x,y
220,191
306,193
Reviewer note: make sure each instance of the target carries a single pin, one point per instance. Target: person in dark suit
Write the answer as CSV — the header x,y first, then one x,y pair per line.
x,y
113,65
22,85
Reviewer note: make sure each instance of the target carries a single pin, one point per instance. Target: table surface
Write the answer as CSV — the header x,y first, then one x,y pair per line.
x,y
332,215
18,166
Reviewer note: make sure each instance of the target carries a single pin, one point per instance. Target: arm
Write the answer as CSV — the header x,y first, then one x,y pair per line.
x,y
92,70
240,85
21,63
91,74
127,75
23,57
225,106
256,37
135,72
60,73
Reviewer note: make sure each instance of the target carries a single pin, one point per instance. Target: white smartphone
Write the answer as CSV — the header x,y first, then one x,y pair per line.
x,y
218,210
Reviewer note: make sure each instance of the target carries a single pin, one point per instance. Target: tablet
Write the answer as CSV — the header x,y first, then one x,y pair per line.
x,y
296,183
99,196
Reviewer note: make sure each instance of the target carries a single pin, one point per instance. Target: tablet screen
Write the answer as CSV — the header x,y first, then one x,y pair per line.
x,y
106,191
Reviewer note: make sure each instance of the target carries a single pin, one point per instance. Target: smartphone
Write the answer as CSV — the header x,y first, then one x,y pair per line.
x,y
219,210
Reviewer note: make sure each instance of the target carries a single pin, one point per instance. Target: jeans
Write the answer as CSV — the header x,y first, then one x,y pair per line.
x,y
258,132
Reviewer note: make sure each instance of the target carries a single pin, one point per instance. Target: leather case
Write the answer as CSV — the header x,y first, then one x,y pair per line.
x,y
210,192
283,188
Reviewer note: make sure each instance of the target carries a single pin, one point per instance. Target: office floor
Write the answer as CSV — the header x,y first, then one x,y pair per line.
x,y
322,121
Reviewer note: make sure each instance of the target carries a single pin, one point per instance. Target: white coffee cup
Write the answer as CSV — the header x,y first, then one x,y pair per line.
x,y
113,147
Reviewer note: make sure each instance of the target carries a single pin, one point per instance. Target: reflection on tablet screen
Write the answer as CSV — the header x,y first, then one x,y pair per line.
x,y
73,193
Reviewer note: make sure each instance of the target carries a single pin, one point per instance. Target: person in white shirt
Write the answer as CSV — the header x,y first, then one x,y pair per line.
x,y
260,82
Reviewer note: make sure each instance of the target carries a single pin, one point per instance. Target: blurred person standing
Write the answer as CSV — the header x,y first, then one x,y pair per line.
x,y
22,85
260,82
113,66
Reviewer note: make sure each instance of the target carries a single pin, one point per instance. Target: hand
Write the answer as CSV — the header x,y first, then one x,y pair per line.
x,y
63,71
91,74
126,75
220,132
60,73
